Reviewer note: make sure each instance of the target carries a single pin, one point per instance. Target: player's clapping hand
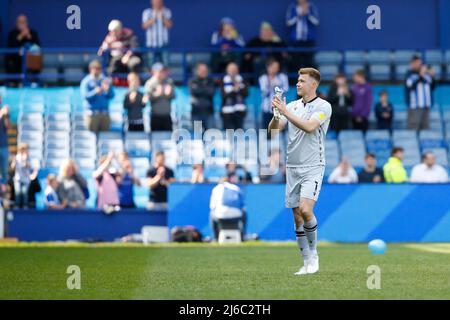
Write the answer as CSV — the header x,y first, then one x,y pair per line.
x,y
280,104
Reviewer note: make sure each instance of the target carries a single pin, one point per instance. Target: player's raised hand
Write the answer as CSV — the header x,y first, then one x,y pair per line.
x,y
280,104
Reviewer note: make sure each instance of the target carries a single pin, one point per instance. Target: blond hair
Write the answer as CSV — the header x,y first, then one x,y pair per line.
x,y
313,73
67,163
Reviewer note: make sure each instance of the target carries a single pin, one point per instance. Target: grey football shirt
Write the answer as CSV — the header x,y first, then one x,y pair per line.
x,y
307,149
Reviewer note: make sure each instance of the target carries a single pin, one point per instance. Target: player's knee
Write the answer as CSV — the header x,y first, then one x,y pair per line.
x,y
305,211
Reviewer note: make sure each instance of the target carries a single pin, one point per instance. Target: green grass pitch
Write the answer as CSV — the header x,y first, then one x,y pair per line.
x,y
209,271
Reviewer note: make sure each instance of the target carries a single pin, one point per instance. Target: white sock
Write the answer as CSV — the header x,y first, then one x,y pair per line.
x,y
311,234
302,243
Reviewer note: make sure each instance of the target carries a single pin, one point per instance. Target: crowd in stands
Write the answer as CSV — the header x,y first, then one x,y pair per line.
x,y
115,178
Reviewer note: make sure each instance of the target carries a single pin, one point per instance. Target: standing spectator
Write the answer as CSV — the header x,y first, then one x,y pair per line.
x,y
22,36
237,173
419,87
23,175
72,185
276,172
340,99
267,38
394,171
96,91
384,111
362,101
105,177
371,173
119,43
4,153
126,180
267,83
160,91
158,178
225,39
51,200
133,103
234,91
343,173
156,21
198,174
429,171
302,19
202,89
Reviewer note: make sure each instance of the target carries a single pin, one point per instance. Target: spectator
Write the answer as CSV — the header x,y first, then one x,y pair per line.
x,y
134,102
158,178
156,21
393,170
198,174
118,44
234,91
340,99
237,173
371,173
276,172
429,171
202,89
419,86
302,19
22,36
72,185
23,175
51,200
4,153
384,112
362,101
343,173
267,83
105,176
225,39
126,180
267,38
160,91
227,208
96,91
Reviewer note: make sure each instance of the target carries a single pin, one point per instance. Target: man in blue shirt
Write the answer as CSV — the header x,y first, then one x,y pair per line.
x,y
96,91
302,19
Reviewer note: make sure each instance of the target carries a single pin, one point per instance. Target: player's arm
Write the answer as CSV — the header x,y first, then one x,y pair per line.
x,y
305,125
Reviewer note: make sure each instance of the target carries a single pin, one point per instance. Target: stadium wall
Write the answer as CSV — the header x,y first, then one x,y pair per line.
x,y
343,22
346,213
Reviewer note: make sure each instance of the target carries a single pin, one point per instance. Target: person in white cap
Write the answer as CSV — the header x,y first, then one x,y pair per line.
x,y
119,42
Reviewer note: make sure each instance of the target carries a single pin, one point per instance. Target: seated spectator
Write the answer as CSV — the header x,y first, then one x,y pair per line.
x,y
105,176
158,178
371,173
72,186
4,152
267,38
134,102
226,39
126,180
198,174
96,91
276,172
23,175
22,36
234,91
118,44
237,173
343,173
202,90
227,208
384,112
362,101
340,98
157,21
160,91
429,171
393,170
267,83
51,200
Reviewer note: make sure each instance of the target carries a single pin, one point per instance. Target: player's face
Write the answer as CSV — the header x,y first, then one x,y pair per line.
x,y
305,85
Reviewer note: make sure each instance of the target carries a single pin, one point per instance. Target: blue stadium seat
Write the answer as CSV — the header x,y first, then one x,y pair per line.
x,y
434,57
379,57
